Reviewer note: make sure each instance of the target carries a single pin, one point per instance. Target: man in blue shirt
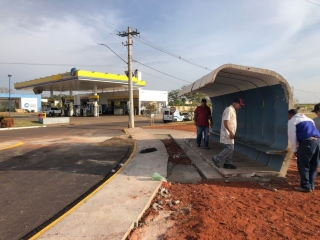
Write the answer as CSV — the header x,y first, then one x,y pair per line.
x,y
305,142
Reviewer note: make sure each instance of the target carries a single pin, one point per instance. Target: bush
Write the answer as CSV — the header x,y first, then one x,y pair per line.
x,y
7,122
2,117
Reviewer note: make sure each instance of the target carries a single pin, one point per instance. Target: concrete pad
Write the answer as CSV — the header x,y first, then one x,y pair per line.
x,y
184,174
54,120
183,139
112,212
246,168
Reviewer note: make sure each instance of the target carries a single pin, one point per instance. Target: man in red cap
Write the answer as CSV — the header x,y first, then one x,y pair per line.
x,y
227,134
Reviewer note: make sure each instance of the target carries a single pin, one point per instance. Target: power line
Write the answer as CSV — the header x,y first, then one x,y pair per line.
x,y
89,13
113,52
313,3
306,91
160,71
56,64
68,16
148,43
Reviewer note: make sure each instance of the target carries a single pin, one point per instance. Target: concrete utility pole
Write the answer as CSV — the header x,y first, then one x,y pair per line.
x,y
9,96
128,34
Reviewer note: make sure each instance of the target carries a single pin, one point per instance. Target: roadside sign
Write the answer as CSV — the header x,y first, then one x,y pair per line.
x,y
172,110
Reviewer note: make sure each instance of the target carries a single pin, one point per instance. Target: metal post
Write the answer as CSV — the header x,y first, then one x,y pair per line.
x,y
9,96
131,111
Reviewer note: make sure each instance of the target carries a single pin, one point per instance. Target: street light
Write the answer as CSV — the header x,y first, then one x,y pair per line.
x,y
9,96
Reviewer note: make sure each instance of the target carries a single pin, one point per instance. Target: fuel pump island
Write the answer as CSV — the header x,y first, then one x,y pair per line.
x,y
85,82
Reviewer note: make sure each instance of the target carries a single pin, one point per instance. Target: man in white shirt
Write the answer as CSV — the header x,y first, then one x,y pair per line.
x,y
227,134
305,142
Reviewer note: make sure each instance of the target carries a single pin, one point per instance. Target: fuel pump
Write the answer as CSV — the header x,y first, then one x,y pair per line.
x,y
94,105
69,102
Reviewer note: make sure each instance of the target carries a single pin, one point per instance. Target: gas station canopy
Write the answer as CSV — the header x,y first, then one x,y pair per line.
x,y
78,80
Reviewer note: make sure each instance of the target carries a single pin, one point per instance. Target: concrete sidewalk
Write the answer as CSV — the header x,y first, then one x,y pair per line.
x,y
247,169
113,211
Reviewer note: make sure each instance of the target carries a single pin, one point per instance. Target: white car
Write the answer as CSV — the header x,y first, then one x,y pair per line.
x,y
175,117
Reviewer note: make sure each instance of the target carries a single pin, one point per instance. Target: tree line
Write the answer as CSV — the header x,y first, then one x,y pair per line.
x,y
188,99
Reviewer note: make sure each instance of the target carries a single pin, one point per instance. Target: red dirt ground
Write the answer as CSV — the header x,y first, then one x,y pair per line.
x,y
237,210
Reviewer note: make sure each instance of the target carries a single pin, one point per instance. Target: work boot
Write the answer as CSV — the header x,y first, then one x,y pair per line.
x,y
300,189
229,166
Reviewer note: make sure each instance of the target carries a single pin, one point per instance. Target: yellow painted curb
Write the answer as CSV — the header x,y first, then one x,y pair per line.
x,y
38,234
15,145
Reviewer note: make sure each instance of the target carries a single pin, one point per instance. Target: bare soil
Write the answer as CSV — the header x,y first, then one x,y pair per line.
x,y
232,210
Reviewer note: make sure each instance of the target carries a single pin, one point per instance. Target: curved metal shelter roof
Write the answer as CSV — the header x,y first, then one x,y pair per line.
x,y
232,78
81,80
262,124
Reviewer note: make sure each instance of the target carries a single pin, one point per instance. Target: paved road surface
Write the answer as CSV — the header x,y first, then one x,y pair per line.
x,y
53,168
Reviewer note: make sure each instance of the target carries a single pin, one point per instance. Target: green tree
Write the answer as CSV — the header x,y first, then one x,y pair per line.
x,y
173,98
193,98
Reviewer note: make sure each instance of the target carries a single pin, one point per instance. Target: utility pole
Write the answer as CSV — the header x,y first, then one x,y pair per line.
x,y
128,34
9,96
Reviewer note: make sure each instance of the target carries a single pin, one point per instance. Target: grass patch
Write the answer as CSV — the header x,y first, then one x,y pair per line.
x,y
26,123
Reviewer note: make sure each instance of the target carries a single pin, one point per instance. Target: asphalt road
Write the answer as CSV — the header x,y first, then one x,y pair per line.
x,y
53,168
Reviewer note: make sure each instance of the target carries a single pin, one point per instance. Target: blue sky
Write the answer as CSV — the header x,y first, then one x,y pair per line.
x,y
280,35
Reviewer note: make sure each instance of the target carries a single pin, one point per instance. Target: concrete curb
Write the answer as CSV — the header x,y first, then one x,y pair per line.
x,y
135,224
37,235
2,129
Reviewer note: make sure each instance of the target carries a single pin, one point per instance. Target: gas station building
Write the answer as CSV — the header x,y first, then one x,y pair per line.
x,y
96,92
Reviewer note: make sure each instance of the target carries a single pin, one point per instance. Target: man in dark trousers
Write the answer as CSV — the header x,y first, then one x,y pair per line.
x,y
305,142
227,134
202,119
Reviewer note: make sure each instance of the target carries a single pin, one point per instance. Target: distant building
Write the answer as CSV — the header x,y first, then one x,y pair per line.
x,y
29,102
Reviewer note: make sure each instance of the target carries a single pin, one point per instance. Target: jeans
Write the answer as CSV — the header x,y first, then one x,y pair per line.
x,y
307,161
226,154
205,131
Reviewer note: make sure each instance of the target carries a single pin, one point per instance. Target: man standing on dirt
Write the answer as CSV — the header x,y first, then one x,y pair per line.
x,y
227,134
316,120
202,119
305,142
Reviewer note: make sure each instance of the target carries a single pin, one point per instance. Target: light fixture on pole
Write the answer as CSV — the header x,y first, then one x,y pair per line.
x,y
9,96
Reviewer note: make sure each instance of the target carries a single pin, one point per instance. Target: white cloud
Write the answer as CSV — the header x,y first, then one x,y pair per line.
x,y
279,35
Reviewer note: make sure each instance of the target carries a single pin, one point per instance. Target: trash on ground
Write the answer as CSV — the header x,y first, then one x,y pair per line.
x,y
148,150
157,177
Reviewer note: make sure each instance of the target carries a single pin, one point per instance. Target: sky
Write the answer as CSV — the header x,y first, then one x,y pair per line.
x,y
280,35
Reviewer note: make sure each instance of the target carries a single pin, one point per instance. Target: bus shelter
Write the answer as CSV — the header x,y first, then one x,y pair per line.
x,y
262,124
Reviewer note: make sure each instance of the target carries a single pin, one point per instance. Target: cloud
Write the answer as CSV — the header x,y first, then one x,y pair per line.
x,y
279,35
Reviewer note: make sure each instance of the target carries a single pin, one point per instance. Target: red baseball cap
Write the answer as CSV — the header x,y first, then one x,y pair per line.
x,y
239,100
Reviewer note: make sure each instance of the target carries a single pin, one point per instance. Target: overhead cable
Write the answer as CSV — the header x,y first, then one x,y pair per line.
x,y
69,16
148,43
313,3
57,64
161,71
305,91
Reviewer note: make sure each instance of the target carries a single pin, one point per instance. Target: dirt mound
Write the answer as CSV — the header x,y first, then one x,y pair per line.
x,y
117,141
233,210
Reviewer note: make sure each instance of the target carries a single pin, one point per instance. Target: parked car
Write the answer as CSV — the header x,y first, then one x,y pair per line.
x,y
188,116
53,112
175,117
